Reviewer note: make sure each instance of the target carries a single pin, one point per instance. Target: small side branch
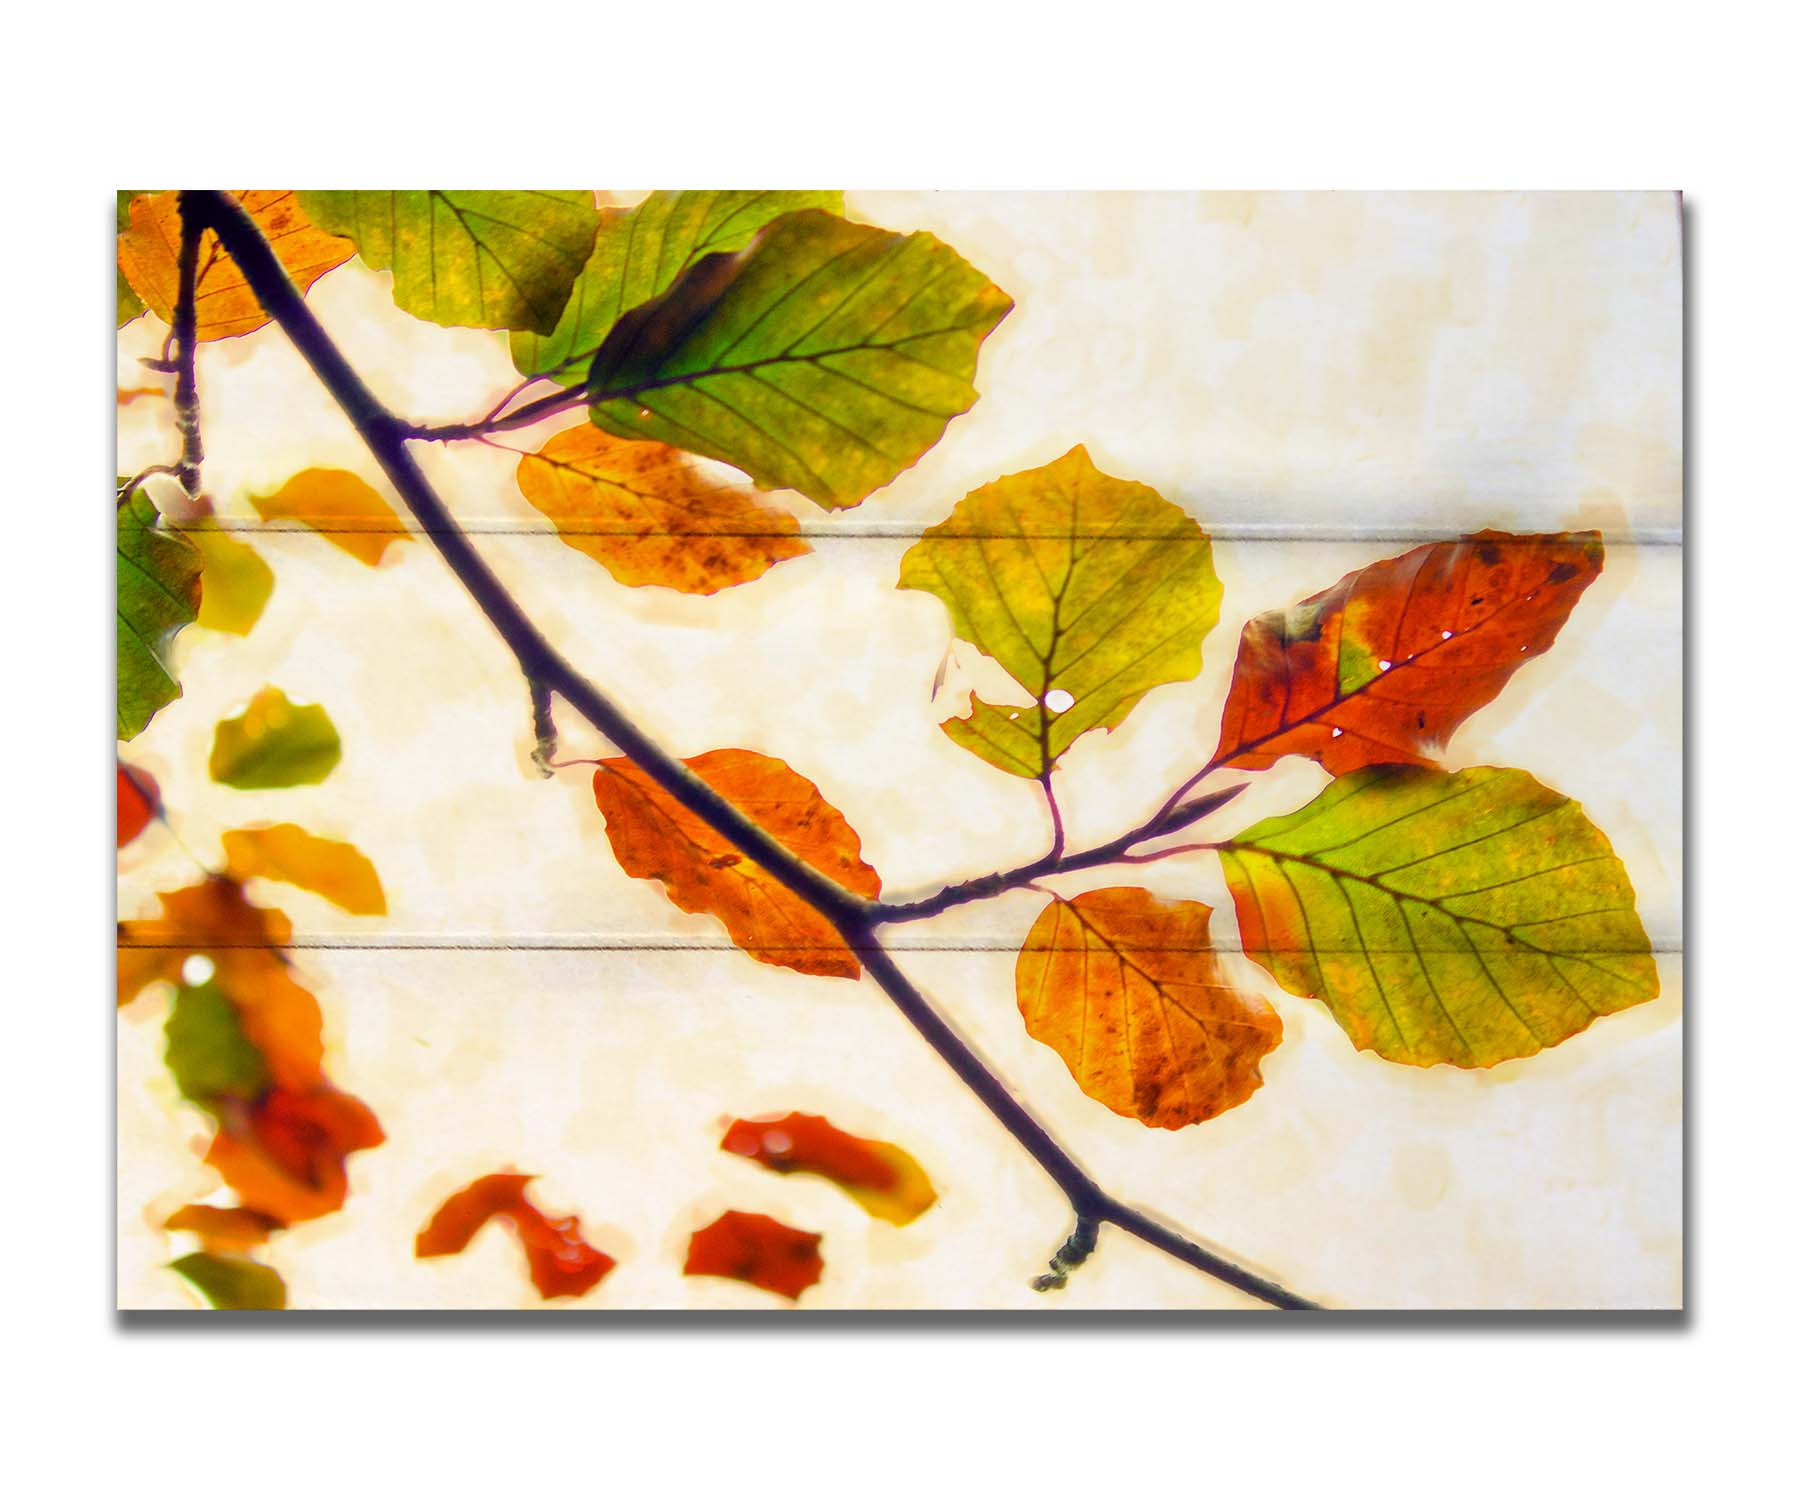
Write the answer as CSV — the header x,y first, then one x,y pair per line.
x,y
984,887
1075,1250
543,725
187,390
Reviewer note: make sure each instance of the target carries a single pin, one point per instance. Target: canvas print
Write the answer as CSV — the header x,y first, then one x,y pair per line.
x,y
779,751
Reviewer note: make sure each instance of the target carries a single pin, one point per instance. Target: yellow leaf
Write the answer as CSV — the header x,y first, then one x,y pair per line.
x,y
339,872
343,509
644,512
235,581
1127,989
224,305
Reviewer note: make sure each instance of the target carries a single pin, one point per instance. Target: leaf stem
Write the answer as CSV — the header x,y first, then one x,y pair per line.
x,y
546,670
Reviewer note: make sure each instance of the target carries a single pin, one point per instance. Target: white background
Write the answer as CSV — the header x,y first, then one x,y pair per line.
x,y
1371,96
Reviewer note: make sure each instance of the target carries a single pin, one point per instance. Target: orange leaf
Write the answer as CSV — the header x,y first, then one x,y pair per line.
x,y
1127,989
341,507
1384,665
756,1249
881,1177
224,305
227,1229
655,838
244,944
644,512
285,1154
139,801
339,872
562,1263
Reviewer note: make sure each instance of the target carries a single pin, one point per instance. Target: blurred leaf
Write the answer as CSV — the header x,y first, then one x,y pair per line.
x,y
284,1150
562,1263
1385,664
274,743
1089,590
159,592
222,1229
644,513
469,259
224,305
233,1283
339,872
236,581
655,838
824,357
637,255
208,1054
139,801
755,1248
1465,918
1128,991
341,507
885,1180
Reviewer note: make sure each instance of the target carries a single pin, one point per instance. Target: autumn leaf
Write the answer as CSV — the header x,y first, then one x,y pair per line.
x,y
233,1283
224,305
881,1177
208,1055
140,800
1465,918
159,592
655,838
339,872
274,743
638,253
236,582
824,357
226,1229
1385,664
469,259
341,507
757,1249
644,512
1089,590
246,1046
1127,989
130,304
561,1262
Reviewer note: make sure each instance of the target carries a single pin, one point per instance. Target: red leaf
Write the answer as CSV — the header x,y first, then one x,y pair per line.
x,y
757,1249
139,801
881,1177
562,1263
1384,665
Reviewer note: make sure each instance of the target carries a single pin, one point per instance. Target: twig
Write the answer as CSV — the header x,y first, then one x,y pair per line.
x,y
543,725
984,887
182,330
854,918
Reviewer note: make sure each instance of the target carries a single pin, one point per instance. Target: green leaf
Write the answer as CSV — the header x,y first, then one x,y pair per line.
x,y
274,743
208,1054
233,1283
1465,917
1076,583
638,254
469,260
823,357
159,592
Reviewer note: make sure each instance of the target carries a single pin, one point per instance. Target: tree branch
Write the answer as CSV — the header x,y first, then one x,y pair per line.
x,y
546,670
984,887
